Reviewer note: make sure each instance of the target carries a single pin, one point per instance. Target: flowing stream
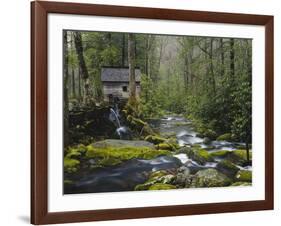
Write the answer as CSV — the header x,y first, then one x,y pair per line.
x,y
126,176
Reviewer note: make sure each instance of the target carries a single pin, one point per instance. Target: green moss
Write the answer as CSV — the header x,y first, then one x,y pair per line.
x,y
70,165
76,151
106,156
227,168
159,186
244,175
239,157
220,154
240,183
204,154
226,137
156,174
200,155
168,135
68,182
242,154
164,146
155,139
109,161
142,187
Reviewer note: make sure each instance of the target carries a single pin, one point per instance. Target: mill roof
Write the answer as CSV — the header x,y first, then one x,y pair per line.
x,y
118,74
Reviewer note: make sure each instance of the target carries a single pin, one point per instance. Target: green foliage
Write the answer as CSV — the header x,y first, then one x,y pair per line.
x,y
242,123
195,76
150,106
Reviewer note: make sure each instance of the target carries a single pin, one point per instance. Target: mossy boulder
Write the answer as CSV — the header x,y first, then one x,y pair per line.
x,y
70,165
239,157
244,176
121,143
159,186
220,154
210,178
157,174
115,152
204,132
169,135
200,155
225,137
165,179
227,168
184,150
165,146
155,139
75,152
170,144
240,183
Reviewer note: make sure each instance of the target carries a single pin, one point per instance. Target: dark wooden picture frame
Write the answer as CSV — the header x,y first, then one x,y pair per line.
x,y
39,109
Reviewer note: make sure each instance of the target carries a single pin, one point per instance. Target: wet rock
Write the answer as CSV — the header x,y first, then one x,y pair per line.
x,y
241,184
225,137
244,176
239,157
155,139
227,168
206,140
210,178
163,180
201,156
220,154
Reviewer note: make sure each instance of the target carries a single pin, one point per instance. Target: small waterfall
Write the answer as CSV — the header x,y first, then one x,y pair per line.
x,y
116,117
123,132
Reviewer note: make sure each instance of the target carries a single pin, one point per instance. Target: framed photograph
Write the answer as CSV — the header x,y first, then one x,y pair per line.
x,y
145,112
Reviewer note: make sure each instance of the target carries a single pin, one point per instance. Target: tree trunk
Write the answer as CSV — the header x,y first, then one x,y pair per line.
x,y
249,60
213,81
72,69
65,91
146,54
82,65
222,56
131,61
232,56
79,84
186,72
123,49
248,152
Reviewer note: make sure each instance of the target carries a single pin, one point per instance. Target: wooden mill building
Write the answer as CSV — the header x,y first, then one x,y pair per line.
x,y
115,82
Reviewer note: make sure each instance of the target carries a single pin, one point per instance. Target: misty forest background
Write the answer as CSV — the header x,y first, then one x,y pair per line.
x,y
205,78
